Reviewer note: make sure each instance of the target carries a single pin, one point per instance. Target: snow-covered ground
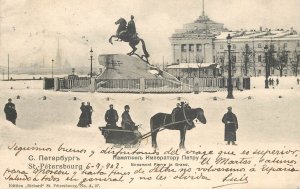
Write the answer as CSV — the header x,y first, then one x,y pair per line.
x,y
266,116
264,120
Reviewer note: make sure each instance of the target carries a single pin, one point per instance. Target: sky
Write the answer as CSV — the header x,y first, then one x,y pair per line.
x,y
29,29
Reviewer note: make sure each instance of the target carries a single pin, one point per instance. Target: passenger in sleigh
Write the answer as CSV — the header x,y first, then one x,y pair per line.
x,y
111,117
127,122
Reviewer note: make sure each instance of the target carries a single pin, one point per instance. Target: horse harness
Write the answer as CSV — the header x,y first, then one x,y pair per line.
x,y
186,120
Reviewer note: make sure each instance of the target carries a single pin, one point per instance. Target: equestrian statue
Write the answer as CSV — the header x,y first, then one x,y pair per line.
x,y
127,33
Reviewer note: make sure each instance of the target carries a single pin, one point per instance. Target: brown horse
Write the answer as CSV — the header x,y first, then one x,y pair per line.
x,y
183,121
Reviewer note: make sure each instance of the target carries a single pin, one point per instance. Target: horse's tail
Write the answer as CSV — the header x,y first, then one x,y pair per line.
x,y
144,49
151,124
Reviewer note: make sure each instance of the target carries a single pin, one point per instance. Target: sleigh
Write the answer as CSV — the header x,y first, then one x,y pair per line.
x,y
121,137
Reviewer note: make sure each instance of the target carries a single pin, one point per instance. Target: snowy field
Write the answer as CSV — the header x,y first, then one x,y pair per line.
x,y
265,120
266,116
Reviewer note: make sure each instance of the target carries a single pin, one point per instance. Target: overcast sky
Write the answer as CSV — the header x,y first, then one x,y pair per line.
x,y
29,28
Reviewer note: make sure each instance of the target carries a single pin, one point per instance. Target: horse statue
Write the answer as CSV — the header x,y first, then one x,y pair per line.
x,y
183,121
128,34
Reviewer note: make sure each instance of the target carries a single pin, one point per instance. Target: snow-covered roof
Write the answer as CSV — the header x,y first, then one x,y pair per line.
x,y
258,34
190,65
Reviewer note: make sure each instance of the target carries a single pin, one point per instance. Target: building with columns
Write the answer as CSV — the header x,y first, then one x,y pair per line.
x,y
199,49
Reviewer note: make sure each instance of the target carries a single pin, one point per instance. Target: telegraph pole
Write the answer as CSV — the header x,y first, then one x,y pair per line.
x,y
52,68
8,67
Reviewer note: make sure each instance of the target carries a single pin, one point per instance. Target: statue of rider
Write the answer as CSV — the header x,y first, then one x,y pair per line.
x,y
131,30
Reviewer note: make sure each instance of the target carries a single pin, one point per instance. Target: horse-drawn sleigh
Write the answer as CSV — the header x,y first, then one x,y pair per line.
x,y
183,121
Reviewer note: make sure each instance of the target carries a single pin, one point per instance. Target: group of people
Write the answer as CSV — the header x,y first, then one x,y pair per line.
x,y
85,118
10,111
111,117
271,81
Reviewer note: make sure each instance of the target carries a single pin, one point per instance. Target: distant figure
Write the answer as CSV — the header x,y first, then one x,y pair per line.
x,y
111,117
89,112
272,82
175,111
231,125
83,119
10,111
298,81
131,30
277,81
127,122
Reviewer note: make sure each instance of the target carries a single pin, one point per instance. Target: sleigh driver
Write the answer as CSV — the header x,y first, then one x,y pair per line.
x,y
180,107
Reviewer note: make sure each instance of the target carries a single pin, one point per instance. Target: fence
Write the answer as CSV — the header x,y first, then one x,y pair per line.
x,y
117,85
142,85
80,83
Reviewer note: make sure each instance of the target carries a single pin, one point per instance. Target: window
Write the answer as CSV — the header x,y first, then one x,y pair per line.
x,y
298,44
199,47
285,45
221,46
259,58
259,45
183,48
191,48
233,46
233,58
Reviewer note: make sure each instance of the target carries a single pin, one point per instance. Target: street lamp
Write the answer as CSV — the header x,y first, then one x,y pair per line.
x,y
52,68
91,51
267,66
229,80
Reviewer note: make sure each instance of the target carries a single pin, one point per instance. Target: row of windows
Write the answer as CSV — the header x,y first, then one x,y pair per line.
x,y
259,45
191,47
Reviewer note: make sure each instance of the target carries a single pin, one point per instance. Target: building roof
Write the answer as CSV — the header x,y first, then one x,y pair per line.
x,y
260,34
191,65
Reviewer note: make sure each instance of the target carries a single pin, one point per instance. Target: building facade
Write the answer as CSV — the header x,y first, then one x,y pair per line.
x,y
204,42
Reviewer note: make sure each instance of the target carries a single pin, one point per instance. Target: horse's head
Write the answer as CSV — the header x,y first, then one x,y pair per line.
x,y
200,115
121,21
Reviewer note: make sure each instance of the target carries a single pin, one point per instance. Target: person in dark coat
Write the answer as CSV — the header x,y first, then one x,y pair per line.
x,y
127,122
231,126
298,81
111,117
89,110
10,111
83,119
175,112
277,81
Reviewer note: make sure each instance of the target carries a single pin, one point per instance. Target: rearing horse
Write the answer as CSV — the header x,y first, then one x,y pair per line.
x,y
183,122
133,41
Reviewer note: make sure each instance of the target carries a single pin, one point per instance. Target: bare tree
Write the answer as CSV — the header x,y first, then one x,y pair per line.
x,y
294,62
281,61
247,54
220,59
272,60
